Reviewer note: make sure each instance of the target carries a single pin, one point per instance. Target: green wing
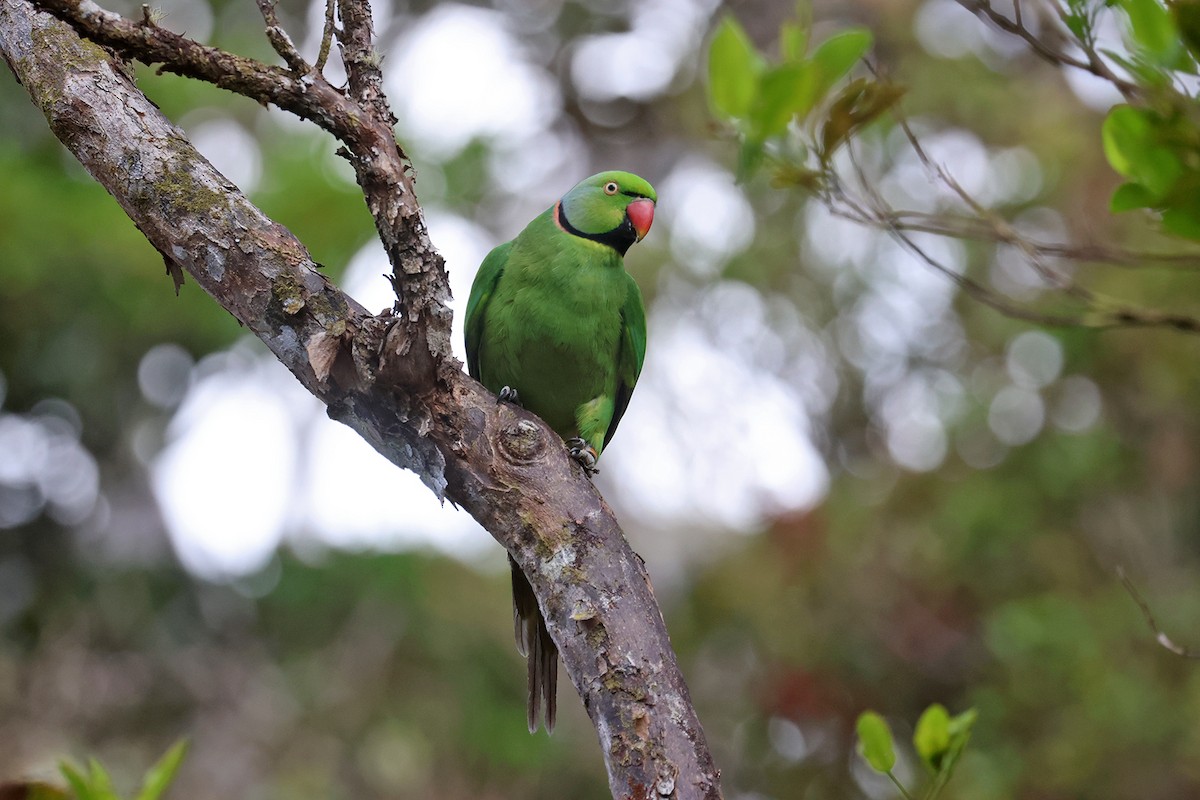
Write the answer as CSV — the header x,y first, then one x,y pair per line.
x,y
631,354
481,292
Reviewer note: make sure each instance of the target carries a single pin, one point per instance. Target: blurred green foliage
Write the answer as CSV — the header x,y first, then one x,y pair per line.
x,y
95,784
939,740
982,579
762,100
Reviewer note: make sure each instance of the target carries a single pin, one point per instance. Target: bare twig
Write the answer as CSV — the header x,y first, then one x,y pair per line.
x,y
364,122
986,224
1100,313
313,100
1016,27
966,227
326,36
280,40
1159,635
1098,317
1003,230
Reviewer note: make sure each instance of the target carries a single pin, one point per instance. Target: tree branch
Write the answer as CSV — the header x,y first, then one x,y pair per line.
x,y
280,40
1159,635
867,206
389,377
380,167
326,36
1016,27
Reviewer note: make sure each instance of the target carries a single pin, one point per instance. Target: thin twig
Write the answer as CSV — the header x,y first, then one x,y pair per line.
x,y
1004,231
1159,635
280,40
965,227
899,786
1101,314
152,44
1095,65
326,36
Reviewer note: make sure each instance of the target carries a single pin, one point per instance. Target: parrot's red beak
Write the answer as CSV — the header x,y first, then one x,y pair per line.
x,y
641,214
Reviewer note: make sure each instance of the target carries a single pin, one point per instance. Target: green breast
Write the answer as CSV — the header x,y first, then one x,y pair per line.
x,y
553,326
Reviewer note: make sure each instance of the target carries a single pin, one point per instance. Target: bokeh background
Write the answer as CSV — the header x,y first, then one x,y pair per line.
x,y
853,487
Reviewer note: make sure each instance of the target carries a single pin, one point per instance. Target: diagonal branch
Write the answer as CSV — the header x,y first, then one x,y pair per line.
x,y
388,377
381,168
1016,27
1160,636
280,40
326,36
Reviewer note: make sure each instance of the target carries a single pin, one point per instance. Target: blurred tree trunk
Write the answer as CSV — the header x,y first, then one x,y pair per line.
x,y
390,377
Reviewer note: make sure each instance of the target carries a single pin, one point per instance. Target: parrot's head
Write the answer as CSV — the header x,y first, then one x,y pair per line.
x,y
614,208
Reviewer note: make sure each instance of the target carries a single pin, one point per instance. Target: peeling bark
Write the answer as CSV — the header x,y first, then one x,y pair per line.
x,y
389,377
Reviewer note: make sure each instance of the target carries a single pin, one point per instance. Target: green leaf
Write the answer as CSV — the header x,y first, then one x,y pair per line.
x,y
793,41
1187,19
932,736
750,157
79,784
1076,24
783,93
1131,144
1153,29
839,53
875,742
1183,222
1129,196
159,776
959,728
99,782
861,102
961,725
792,176
734,67
1123,131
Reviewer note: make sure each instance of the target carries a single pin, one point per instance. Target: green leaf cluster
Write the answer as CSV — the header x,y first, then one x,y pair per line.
x,y
762,98
95,784
939,740
1159,155
1155,143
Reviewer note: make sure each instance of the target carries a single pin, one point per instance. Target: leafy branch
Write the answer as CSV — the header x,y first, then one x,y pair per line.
x,y
1160,635
794,126
939,741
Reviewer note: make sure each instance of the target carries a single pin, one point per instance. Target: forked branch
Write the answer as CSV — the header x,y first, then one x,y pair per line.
x,y
390,377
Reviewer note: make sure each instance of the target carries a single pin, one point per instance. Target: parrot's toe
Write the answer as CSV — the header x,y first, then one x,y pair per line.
x,y
509,395
585,454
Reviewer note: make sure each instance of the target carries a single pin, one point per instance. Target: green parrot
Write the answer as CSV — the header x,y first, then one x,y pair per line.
x,y
555,323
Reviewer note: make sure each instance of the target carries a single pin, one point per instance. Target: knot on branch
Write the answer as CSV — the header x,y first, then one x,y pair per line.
x,y
522,442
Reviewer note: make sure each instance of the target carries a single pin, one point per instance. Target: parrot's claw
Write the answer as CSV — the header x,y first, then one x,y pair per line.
x,y
585,454
509,395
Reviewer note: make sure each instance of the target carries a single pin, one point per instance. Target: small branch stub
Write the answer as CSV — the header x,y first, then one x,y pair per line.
x,y
522,442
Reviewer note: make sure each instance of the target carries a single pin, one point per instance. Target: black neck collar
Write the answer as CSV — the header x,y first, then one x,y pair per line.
x,y
620,238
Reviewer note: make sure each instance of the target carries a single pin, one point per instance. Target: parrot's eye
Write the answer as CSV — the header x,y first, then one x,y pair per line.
x,y
610,188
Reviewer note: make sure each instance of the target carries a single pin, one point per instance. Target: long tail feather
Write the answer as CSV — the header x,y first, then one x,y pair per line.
x,y
534,642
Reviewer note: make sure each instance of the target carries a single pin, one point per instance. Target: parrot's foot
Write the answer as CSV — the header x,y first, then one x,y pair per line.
x,y
509,395
585,454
